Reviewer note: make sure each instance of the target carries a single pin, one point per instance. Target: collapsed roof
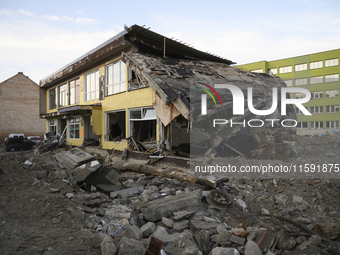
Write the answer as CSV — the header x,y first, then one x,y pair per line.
x,y
178,73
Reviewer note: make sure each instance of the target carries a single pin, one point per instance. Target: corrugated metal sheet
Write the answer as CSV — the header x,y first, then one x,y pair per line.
x,y
150,36
142,34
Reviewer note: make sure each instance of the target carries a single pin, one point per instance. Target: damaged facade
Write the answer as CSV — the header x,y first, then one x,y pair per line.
x,y
143,85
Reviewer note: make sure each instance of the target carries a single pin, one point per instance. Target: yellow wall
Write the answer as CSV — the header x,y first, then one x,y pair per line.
x,y
122,101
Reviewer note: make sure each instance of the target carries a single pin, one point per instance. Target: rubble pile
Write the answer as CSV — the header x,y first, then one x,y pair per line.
x,y
90,207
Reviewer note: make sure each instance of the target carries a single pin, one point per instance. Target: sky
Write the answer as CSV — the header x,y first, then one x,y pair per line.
x,y
40,37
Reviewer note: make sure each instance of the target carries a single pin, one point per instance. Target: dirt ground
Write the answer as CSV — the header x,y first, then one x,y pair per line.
x,y
38,217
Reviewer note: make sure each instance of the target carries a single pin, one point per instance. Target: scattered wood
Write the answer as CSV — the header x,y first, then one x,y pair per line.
x,y
172,173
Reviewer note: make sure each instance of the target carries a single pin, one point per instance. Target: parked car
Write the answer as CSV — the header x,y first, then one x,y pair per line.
x,y
16,135
35,139
18,143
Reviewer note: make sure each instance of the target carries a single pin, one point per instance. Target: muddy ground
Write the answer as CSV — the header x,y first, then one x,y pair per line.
x,y
39,216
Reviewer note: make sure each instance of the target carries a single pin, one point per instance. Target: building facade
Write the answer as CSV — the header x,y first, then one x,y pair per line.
x,y
106,96
19,107
319,73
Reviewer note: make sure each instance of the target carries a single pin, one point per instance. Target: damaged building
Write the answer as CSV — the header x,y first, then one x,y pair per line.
x,y
143,90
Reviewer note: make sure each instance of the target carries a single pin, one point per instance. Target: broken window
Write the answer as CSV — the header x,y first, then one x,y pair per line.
x,y
115,78
143,124
62,95
115,126
135,82
92,86
74,91
52,125
52,98
73,124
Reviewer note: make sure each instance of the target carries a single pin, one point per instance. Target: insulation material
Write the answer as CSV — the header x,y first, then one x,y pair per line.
x,y
165,112
96,120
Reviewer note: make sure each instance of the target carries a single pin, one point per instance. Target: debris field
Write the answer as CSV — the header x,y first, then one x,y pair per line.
x,y
77,201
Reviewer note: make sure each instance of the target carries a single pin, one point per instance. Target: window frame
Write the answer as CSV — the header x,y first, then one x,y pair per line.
x,y
329,78
328,62
301,126
329,109
297,81
316,64
303,66
74,125
96,86
336,124
316,93
273,70
289,84
110,82
336,93
74,88
285,69
315,80
316,109
62,95
318,126
52,123
55,90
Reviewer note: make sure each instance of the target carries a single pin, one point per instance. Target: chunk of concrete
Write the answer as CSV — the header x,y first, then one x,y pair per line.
x,y
129,246
133,232
237,240
224,251
148,228
166,238
181,225
169,223
202,225
313,241
183,245
125,192
252,249
155,210
107,246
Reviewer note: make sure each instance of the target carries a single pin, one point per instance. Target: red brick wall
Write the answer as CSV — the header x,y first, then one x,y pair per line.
x,y
19,107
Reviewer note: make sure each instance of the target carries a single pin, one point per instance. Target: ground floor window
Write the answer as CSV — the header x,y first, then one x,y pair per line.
x,y
73,127
302,125
143,124
332,124
52,125
115,126
316,124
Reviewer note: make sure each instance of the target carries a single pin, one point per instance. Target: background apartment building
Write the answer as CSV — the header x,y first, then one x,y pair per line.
x,y
319,73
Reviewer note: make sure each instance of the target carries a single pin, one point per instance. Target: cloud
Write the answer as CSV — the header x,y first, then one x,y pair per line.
x,y
38,49
26,13
50,17
81,20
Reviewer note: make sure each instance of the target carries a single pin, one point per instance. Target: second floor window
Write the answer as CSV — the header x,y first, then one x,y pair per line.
x,y
317,94
62,95
74,92
92,86
53,102
115,78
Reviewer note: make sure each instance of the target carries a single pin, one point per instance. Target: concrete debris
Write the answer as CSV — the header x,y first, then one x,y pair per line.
x,y
155,210
107,246
129,246
71,205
